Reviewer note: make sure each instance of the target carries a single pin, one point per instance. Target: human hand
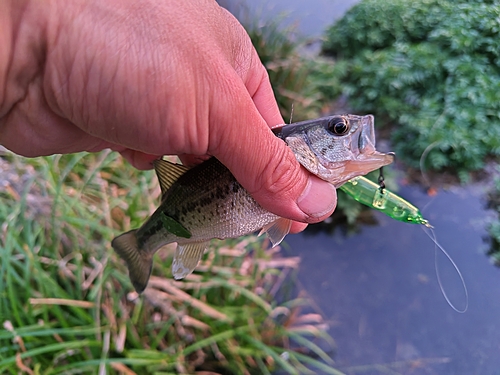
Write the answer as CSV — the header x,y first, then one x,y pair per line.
x,y
147,79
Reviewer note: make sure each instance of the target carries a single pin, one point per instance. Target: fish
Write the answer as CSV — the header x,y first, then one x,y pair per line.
x,y
205,202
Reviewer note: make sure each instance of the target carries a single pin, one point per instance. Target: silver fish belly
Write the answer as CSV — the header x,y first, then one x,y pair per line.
x,y
207,202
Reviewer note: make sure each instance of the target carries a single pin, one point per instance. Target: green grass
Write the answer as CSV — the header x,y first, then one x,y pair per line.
x,y
67,306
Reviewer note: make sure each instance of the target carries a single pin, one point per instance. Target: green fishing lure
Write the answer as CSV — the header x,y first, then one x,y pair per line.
x,y
372,195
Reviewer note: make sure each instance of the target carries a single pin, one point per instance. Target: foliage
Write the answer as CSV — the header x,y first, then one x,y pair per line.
x,y
66,303
431,67
493,227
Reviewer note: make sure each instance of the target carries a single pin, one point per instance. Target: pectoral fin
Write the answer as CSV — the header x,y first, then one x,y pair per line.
x,y
277,230
174,226
186,258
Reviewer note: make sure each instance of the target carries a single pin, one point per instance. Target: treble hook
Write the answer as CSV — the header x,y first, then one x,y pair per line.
x,y
381,179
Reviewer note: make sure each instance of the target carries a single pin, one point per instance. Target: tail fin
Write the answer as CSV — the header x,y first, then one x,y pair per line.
x,y
139,264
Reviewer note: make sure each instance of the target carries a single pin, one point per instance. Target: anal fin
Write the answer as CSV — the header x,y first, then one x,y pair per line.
x,y
186,258
277,230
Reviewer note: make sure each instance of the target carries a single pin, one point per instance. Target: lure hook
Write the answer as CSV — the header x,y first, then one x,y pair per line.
x,y
381,179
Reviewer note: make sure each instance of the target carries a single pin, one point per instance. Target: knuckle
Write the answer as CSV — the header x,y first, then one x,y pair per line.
x,y
281,176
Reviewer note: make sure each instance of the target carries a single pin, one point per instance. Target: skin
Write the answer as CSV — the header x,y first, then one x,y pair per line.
x,y
149,78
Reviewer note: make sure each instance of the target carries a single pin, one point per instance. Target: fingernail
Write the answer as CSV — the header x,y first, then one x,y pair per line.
x,y
319,197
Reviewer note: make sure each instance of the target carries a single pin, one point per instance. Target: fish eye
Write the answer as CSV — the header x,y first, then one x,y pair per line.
x,y
338,126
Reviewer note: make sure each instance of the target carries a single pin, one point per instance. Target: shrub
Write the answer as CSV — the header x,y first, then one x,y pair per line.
x,y
493,223
431,67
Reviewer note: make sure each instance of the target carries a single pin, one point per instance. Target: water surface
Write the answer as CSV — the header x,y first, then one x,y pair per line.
x,y
310,17
378,290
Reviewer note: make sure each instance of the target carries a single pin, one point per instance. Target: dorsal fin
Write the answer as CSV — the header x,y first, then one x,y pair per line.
x,y
168,173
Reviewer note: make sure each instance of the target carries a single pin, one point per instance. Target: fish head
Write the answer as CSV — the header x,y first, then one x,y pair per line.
x,y
335,148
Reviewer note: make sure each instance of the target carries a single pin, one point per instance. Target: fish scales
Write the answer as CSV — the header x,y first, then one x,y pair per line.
x,y
207,202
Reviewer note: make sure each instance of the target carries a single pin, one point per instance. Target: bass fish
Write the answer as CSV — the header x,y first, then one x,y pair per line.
x,y
206,201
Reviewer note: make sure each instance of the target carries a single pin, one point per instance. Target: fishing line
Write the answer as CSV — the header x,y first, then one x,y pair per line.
x,y
438,275
437,245
422,161
433,238
429,149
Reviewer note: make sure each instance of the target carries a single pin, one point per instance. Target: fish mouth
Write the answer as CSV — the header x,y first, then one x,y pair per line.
x,y
362,141
366,158
363,147
366,163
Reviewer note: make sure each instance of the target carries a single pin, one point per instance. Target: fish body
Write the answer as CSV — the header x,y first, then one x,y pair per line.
x,y
207,202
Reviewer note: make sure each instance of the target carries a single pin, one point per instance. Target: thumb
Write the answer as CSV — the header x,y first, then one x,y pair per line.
x,y
264,165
